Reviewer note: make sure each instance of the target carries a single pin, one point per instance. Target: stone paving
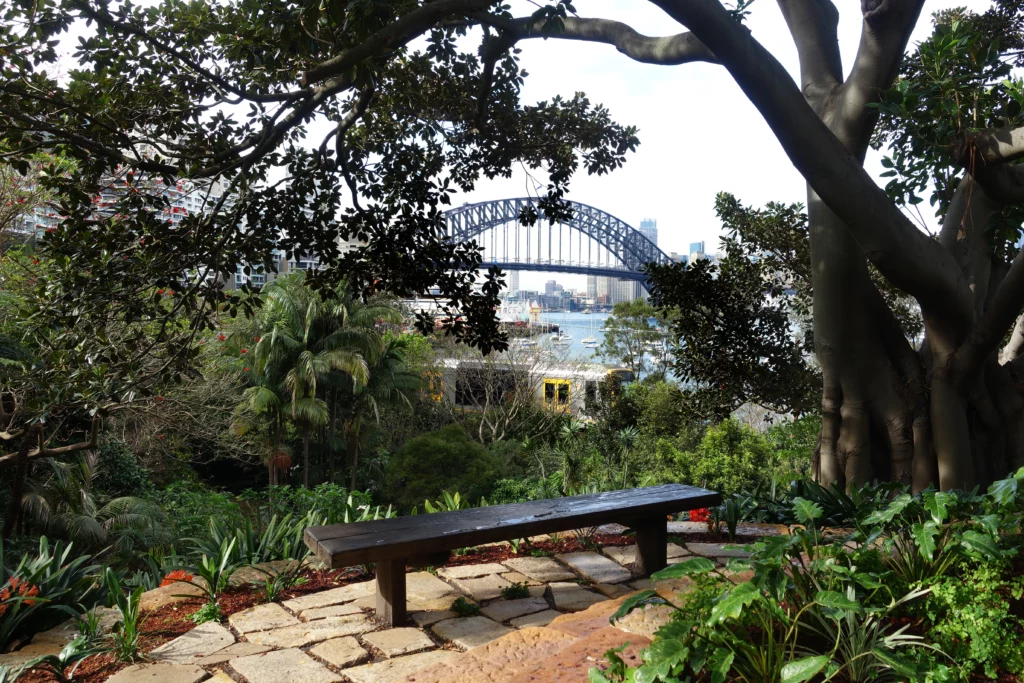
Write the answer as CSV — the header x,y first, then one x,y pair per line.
x,y
556,634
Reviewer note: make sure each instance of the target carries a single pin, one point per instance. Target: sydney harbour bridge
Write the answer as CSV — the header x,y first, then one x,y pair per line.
x,y
592,242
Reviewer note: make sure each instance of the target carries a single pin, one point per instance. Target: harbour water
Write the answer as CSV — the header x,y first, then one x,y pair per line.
x,y
580,326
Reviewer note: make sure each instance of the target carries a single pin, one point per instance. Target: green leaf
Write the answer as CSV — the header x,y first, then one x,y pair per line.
x,y
979,545
937,504
695,565
1003,491
836,600
639,600
807,511
896,507
895,663
803,669
731,605
722,664
924,537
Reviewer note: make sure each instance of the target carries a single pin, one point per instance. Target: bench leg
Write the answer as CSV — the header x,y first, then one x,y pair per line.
x,y
651,546
391,592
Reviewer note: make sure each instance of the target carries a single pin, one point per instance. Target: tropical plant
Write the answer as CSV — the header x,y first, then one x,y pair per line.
x,y
210,611
126,632
215,570
304,338
279,540
43,588
62,505
62,666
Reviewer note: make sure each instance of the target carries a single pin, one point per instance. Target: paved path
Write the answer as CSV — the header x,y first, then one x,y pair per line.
x,y
554,631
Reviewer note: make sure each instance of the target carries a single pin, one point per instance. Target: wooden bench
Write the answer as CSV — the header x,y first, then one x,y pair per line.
x,y
424,540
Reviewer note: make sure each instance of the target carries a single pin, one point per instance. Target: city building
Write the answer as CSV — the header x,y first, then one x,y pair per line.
x,y
512,281
697,251
591,286
649,229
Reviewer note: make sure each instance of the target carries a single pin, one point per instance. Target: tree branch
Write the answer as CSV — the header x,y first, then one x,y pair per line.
x,y
1003,183
43,452
907,257
681,48
813,24
886,30
991,146
396,34
989,332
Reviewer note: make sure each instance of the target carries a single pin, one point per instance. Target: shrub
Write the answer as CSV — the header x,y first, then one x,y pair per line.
x,y
513,491
729,459
443,460
191,505
119,472
328,501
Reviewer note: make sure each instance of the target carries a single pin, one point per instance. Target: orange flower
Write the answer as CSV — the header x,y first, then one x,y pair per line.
x,y
221,337
700,515
244,350
177,576
17,588
256,339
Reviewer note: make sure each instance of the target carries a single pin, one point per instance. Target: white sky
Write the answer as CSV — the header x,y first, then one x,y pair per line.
x,y
699,135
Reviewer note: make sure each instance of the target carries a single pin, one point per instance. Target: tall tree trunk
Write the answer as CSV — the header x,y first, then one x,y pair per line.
x,y
305,457
352,437
14,514
333,436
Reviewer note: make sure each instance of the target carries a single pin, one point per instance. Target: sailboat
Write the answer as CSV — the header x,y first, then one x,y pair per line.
x,y
591,341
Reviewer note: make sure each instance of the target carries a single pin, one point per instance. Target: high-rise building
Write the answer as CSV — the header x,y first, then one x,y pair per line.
x,y
649,229
512,281
591,286
697,251
552,288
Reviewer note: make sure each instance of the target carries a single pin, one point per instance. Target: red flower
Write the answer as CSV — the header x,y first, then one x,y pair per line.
x,y
221,337
161,437
51,230
17,588
160,291
177,576
159,398
244,350
245,369
256,339
35,261
700,515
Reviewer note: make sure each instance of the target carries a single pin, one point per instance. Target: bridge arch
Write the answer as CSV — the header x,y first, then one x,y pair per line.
x,y
631,248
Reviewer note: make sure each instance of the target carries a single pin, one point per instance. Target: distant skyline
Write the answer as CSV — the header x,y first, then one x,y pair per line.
x,y
698,133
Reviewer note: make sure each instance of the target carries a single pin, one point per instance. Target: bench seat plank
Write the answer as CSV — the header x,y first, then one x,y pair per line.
x,y
342,545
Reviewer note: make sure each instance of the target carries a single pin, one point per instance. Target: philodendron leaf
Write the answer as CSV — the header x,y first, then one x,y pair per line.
x,y
836,600
633,602
807,511
1003,491
721,664
731,605
937,504
896,507
805,669
979,545
924,536
695,565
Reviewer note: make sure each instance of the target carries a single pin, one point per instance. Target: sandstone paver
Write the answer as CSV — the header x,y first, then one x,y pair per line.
x,y
575,661
470,571
613,590
516,577
597,568
201,641
537,619
583,623
397,669
519,648
310,632
641,584
340,652
503,610
425,619
334,596
469,632
399,641
283,666
261,618
332,611
484,588
232,652
462,668
424,591
261,572
646,620
543,569
573,598
159,673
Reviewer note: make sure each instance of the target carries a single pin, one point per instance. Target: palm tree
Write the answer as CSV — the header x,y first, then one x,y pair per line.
x,y
263,405
390,384
62,505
